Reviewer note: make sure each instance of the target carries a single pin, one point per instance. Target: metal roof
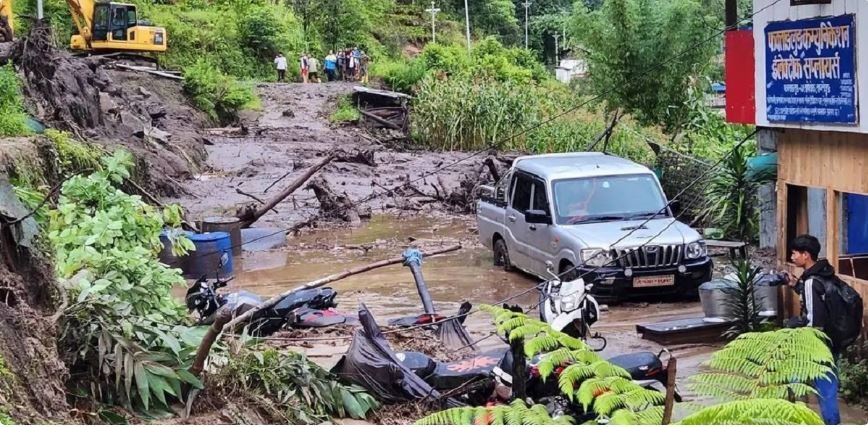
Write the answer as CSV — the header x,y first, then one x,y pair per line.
x,y
577,165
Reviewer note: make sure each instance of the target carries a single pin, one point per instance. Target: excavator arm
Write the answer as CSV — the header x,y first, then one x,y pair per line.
x,y
82,16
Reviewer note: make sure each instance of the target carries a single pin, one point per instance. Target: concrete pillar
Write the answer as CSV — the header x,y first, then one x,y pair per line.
x,y
767,143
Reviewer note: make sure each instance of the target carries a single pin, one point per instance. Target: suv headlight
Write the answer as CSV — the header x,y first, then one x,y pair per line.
x,y
695,250
596,257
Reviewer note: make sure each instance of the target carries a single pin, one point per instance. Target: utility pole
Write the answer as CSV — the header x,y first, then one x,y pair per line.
x,y
467,23
557,54
526,6
433,11
39,15
564,27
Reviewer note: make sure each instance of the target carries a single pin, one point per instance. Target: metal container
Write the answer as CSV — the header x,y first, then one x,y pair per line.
x,y
766,290
714,296
212,250
230,225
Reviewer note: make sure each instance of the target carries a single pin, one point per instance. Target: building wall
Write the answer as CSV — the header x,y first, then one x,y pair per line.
x,y
830,161
781,10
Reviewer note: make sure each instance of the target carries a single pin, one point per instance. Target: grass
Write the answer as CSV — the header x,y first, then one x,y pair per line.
x,y
13,118
346,112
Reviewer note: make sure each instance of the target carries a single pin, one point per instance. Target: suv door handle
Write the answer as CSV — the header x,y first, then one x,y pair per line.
x,y
532,227
511,218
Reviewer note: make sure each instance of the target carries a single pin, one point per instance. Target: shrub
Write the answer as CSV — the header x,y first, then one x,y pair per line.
x,y
345,112
853,371
215,93
13,119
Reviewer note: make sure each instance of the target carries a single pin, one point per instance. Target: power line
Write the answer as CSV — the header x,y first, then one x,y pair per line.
x,y
551,119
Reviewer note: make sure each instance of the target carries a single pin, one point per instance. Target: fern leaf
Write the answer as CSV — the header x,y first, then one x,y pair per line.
x,y
516,413
650,416
452,416
572,375
754,411
589,389
541,344
507,326
524,331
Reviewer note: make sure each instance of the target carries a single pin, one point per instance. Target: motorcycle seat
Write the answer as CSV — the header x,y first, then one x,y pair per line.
x,y
643,363
447,376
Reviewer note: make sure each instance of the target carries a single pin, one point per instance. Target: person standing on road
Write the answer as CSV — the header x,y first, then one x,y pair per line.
x,y
280,65
351,66
357,58
342,65
303,65
330,65
313,69
818,276
363,67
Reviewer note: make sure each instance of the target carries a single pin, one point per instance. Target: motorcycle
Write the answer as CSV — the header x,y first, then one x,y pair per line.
x,y
300,309
569,307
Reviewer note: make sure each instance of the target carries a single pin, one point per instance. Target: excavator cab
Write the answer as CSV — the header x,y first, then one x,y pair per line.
x,y
116,28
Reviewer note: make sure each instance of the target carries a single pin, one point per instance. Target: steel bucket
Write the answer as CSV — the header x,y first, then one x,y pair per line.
x,y
714,296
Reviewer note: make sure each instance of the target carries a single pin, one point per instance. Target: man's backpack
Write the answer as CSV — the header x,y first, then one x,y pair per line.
x,y
844,311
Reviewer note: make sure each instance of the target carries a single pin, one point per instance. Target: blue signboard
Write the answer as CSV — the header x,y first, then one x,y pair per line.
x,y
811,71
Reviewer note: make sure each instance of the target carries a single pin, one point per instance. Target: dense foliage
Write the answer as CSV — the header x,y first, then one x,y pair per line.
x,y
13,120
853,371
215,93
641,55
121,326
300,390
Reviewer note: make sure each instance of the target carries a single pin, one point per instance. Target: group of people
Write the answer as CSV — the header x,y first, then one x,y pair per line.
x,y
347,65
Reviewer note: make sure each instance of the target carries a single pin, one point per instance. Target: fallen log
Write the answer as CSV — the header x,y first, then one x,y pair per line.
x,y
249,216
334,205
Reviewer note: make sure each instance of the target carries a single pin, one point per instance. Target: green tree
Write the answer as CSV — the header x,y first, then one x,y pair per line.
x,y
642,54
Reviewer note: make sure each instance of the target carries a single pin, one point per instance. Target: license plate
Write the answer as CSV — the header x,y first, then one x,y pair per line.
x,y
652,281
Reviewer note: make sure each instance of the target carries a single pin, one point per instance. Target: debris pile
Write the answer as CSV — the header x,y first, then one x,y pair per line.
x,y
95,101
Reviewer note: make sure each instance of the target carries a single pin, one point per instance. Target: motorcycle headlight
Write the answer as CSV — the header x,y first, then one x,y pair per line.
x,y
596,257
695,250
569,302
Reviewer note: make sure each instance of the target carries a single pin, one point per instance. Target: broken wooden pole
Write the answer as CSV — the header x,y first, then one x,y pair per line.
x,y
326,280
220,324
223,316
669,403
519,369
247,217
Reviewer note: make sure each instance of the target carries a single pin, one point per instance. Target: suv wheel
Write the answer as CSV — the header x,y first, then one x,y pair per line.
x,y
501,255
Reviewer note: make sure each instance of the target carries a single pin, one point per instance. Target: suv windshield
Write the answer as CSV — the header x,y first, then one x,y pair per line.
x,y
607,198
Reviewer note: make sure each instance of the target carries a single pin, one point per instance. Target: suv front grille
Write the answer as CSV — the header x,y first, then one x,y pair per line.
x,y
649,256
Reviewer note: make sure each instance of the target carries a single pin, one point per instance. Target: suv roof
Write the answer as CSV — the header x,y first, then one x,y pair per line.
x,y
577,165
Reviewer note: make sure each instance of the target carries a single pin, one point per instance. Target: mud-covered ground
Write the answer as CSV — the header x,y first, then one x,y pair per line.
x,y
290,133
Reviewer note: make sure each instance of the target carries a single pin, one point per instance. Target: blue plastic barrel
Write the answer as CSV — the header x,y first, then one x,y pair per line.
x,y
210,249
166,256
763,167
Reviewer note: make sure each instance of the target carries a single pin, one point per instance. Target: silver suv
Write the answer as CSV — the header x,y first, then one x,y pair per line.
x,y
593,216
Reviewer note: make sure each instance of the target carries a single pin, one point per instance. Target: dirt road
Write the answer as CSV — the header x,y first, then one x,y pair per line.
x,y
290,134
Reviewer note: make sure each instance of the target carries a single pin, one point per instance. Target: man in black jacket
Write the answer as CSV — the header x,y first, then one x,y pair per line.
x,y
811,288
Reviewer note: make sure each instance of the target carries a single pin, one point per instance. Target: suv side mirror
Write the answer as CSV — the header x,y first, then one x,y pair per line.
x,y
537,217
675,205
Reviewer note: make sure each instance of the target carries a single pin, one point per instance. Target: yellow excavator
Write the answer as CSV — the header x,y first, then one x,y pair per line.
x,y
105,27
6,21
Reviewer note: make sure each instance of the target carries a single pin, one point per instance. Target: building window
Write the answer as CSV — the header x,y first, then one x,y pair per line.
x,y
853,223
806,214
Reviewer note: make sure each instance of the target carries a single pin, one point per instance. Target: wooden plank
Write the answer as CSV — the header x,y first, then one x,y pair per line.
x,y
149,71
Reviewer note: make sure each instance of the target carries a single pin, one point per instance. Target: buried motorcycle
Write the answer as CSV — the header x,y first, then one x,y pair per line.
x,y
301,309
